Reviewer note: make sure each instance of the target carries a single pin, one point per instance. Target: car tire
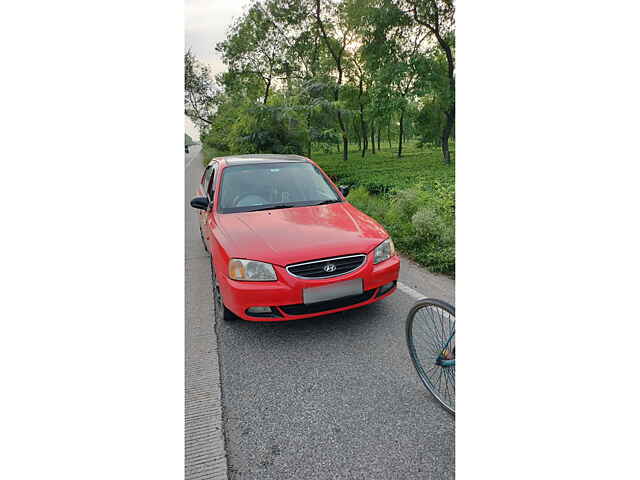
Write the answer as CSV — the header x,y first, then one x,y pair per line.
x,y
203,242
220,312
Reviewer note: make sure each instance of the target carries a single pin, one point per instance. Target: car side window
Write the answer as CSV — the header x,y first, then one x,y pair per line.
x,y
210,186
206,178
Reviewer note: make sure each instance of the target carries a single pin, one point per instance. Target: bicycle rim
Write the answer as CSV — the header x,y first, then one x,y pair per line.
x,y
430,334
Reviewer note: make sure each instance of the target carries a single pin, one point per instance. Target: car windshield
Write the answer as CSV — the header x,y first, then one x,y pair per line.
x,y
266,186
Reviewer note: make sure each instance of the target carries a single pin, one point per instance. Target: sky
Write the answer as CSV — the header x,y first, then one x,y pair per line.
x,y
206,22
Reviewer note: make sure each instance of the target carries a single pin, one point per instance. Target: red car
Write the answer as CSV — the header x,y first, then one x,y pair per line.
x,y
284,242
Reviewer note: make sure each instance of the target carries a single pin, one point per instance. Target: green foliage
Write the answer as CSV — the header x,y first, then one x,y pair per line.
x,y
426,236
247,127
200,91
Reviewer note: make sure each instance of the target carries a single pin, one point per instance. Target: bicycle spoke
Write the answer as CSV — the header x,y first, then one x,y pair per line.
x,y
446,382
432,324
425,338
429,335
444,333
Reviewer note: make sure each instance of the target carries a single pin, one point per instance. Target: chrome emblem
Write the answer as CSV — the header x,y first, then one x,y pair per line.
x,y
329,267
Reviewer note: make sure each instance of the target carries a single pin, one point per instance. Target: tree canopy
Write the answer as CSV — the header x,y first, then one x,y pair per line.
x,y
307,75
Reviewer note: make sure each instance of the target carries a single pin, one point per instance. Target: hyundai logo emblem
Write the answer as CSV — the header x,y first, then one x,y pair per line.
x,y
329,267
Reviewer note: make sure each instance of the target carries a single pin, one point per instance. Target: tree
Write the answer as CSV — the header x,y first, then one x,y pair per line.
x,y
336,47
200,91
331,72
439,17
360,76
254,47
398,49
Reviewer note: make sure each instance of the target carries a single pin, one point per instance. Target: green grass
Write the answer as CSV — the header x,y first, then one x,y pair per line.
x,y
384,172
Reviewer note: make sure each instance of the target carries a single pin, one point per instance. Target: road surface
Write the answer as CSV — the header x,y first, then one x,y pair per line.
x,y
331,397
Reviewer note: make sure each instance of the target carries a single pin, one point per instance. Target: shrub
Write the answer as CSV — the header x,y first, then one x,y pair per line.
x,y
406,202
426,222
419,219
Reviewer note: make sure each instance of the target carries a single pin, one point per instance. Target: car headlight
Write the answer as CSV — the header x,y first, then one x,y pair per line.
x,y
251,270
384,251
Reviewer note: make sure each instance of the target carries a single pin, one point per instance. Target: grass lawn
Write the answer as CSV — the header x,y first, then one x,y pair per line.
x,y
384,171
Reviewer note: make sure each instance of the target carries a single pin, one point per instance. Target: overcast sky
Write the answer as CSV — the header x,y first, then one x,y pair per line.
x,y
206,23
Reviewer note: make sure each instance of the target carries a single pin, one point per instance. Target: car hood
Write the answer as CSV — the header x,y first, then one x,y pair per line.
x,y
298,234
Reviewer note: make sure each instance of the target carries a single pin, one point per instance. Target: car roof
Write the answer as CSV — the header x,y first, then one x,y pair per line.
x,y
259,158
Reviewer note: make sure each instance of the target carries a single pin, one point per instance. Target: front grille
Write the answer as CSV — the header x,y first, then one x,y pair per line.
x,y
327,267
302,309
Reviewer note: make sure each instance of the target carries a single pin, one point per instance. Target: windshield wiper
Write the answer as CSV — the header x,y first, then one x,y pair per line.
x,y
324,202
273,207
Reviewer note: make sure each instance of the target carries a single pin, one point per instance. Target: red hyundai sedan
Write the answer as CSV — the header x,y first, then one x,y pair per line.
x,y
284,242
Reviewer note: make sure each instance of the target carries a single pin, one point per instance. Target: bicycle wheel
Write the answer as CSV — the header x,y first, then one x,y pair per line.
x,y
431,327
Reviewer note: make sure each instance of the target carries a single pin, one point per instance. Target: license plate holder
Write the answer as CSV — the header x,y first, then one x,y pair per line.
x,y
333,291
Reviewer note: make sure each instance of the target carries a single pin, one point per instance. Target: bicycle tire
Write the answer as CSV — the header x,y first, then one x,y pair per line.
x,y
435,344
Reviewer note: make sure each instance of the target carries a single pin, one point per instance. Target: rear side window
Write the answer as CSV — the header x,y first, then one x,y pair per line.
x,y
206,178
211,186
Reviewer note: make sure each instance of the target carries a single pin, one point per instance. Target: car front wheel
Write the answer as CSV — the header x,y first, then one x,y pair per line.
x,y
220,311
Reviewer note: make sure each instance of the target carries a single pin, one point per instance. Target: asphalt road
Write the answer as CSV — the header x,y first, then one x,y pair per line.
x,y
331,397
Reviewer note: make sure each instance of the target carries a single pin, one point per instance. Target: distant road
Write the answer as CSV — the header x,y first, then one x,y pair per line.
x,y
331,397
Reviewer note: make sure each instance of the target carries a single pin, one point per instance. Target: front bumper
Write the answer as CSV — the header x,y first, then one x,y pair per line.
x,y
284,296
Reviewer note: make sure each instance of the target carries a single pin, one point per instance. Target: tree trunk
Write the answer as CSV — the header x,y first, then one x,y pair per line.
x,y
401,134
266,91
345,147
379,132
363,127
373,138
309,129
343,128
451,113
345,138
446,156
357,133
338,61
446,48
389,136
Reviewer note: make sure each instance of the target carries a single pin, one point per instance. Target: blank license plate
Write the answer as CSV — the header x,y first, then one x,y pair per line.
x,y
333,291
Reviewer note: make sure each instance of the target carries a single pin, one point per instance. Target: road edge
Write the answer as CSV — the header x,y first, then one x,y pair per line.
x,y
205,453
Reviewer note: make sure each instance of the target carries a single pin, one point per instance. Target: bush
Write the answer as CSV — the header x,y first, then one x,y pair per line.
x,y
406,202
419,219
371,205
426,222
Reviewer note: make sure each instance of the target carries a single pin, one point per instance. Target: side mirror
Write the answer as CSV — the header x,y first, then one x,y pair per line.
x,y
201,203
344,190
